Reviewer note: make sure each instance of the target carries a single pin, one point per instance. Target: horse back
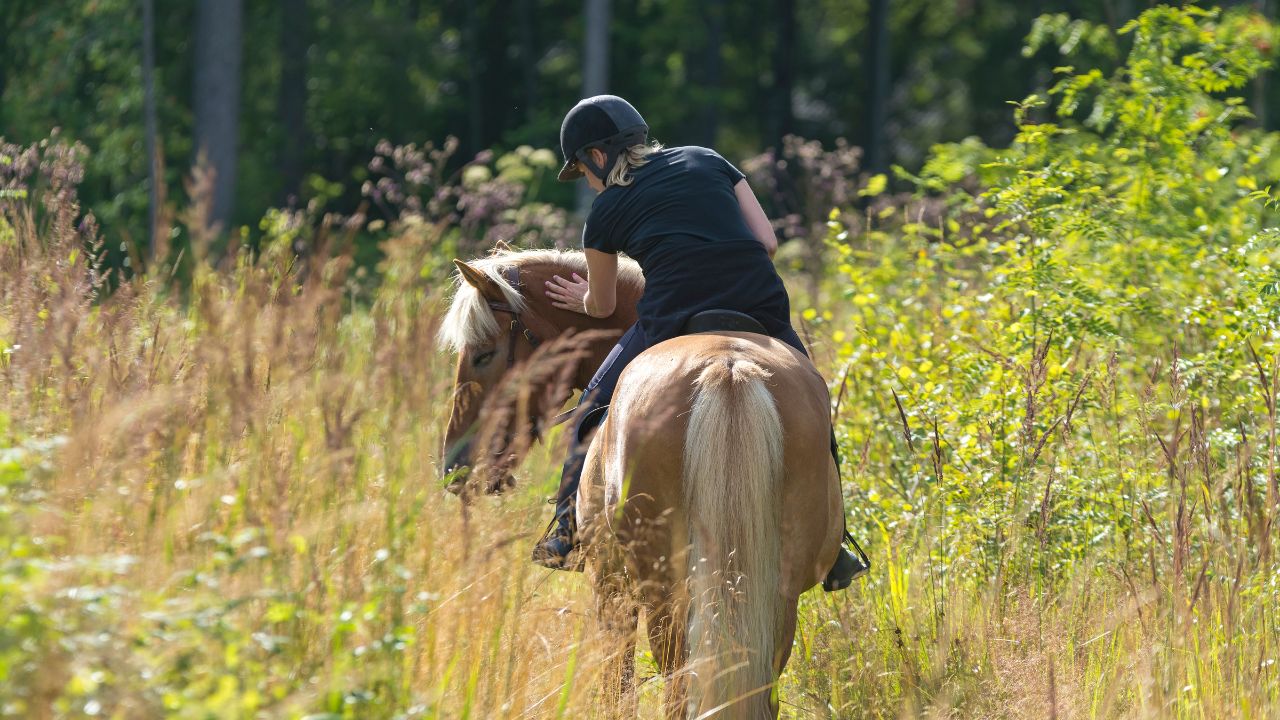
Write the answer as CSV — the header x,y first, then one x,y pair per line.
x,y
635,470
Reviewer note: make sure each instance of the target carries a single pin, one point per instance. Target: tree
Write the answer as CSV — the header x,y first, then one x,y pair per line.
x,y
595,56
712,12
877,68
149,115
1260,80
528,59
784,68
595,66
217,99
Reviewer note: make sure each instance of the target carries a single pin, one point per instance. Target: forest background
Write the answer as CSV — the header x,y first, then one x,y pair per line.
x,y
288,100
1033,248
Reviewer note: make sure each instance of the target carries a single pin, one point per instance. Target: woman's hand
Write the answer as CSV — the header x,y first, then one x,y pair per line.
x,y
568,294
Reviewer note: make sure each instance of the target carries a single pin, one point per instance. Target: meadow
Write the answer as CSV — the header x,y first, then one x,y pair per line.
x,y
1054,370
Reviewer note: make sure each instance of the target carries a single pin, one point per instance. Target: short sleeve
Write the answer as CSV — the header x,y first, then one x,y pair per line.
x,y
735,175
717,162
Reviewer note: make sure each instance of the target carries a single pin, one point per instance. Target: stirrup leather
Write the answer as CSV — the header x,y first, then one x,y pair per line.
x,y
862,555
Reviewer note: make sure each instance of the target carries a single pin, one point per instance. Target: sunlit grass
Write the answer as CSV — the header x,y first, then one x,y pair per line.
x,y
253,523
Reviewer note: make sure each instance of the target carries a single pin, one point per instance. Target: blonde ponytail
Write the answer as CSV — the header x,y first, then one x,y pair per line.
x,y
628,160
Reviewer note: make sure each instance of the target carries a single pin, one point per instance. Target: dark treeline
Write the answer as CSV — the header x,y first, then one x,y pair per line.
x,y
287,98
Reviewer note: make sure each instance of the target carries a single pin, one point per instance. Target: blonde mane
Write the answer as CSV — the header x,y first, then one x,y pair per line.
x,y
470,321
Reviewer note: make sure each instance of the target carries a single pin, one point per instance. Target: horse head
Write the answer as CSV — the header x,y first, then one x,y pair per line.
x,y
516,360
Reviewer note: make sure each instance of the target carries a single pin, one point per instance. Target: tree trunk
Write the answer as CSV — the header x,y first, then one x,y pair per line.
x,y
149,120
877,66
499,78
11,14
292,102
781,117
595,69
4,53
528,59
475,97
217,99
713,18
595,65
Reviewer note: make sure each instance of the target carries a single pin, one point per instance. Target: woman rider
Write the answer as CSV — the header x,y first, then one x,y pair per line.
x,y
691,221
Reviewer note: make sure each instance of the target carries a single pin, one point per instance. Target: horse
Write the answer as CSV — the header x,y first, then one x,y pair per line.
x,y
709,497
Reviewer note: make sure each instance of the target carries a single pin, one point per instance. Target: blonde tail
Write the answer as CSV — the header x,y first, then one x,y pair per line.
x,y
733,478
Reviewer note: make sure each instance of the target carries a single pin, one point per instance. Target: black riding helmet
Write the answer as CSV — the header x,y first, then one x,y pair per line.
x,y
605,122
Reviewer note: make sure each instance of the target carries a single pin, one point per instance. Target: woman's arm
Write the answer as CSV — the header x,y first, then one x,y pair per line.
x,y
602,283
596,296
755,217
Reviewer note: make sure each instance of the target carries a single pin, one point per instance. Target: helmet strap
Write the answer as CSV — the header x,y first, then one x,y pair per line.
x,y
612,148
601,172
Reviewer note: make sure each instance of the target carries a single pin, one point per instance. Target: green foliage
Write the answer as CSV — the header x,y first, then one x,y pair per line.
x,y
501,74
489,199
1095,247
1067,375
75,66
32,624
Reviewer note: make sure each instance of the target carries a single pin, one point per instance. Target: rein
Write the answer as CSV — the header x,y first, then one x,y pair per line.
x,y
518,326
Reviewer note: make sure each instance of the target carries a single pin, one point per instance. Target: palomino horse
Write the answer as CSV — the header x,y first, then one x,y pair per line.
x,y
709,497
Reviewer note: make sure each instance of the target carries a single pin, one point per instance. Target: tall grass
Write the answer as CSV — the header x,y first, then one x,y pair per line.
x,y
226,502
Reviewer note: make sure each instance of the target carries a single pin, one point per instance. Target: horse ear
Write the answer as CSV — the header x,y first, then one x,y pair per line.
x,y
501,247
480,281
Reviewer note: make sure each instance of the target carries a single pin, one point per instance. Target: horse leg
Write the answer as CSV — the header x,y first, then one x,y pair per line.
x,y
667,641
785,637
617,618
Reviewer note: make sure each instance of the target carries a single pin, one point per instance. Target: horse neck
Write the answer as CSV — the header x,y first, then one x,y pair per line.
x,y
561,322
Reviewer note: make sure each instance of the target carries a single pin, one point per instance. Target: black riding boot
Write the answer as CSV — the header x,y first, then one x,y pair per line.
x,y
848,566
561,537
559,541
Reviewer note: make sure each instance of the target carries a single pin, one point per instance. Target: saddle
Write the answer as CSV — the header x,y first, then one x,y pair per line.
x,y
723,321
705,321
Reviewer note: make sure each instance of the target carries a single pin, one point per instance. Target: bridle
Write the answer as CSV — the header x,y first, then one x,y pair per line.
x,y
518,326
512,275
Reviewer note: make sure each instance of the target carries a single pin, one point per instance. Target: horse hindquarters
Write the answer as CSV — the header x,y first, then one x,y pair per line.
x,y
733,468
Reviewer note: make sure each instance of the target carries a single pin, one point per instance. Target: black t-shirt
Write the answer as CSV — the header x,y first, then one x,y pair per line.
x,y
680,219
